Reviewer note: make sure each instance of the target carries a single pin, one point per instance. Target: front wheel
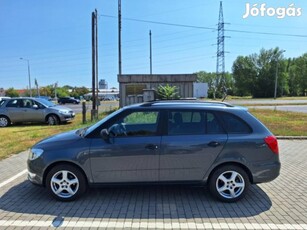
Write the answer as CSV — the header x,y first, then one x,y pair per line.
x,y
53,120
229,183
66,182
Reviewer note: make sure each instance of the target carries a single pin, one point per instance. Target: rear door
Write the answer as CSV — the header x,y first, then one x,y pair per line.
x,y
193,141
15,110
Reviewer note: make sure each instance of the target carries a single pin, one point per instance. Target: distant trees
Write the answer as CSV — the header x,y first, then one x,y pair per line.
x,y
215,86
255,75
11,92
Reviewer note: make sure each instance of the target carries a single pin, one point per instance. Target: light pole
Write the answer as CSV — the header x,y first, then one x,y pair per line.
x,y
276,74
28,74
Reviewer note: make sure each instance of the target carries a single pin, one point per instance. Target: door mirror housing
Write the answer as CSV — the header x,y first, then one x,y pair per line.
x,y
105,135
35,106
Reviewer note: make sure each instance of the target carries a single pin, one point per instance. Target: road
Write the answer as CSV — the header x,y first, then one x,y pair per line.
x,y
104,106
280,204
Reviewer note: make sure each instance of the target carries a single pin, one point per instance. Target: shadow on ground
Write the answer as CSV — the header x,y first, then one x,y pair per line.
x,y
142,202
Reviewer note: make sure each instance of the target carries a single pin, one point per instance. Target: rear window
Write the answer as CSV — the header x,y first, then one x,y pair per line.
x,y
234,124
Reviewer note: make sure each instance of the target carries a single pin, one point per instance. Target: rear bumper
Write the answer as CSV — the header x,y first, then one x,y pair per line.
x,y
266,172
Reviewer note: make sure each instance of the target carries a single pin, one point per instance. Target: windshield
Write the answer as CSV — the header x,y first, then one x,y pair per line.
x,y
93,127
45,102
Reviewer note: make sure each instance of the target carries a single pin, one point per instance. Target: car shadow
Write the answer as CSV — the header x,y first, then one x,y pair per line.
x,y
142,202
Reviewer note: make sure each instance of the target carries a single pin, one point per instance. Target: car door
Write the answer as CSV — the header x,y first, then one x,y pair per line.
x,y
193,141
131,154
15,110
34,111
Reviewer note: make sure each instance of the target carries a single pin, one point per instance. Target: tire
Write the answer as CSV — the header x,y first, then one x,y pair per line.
x,y
53,120
229,183
66,182
4,121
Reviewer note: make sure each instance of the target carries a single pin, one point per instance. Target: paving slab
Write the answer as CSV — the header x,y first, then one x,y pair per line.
x,y
281,204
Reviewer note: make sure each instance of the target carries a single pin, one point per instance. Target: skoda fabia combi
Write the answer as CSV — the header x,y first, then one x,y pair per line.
x,y
214,144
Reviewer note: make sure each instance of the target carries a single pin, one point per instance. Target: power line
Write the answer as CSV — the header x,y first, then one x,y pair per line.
x,y
207,28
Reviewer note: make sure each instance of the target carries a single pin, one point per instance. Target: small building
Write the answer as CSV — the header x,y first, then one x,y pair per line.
x,y
133,88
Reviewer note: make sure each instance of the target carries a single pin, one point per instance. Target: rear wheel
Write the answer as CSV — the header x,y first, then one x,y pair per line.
x,y
66,182
229,183
4,121
53,120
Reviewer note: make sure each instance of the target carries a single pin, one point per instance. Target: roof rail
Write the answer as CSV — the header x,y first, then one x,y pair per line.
x,y
187,100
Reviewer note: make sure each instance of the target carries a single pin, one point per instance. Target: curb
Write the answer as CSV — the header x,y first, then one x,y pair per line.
x,y
292,137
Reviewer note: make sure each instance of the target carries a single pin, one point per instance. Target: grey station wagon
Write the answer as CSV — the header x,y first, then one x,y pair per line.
x,y
19,110
215,144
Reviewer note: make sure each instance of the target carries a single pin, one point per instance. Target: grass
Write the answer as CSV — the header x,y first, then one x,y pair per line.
x,y
18,138
282,123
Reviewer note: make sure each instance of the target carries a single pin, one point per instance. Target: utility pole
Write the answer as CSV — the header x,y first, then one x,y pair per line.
x,y
276,74
94,114
96,49
119,38
29,75
150,52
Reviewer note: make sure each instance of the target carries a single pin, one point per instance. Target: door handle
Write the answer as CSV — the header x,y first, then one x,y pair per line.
x,y
151,147
214,144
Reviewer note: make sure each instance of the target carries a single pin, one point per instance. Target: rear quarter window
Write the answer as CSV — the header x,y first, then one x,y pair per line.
x,y
234,124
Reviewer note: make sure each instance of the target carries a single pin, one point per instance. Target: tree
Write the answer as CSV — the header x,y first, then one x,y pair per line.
x,y
168,92
255,74
11,92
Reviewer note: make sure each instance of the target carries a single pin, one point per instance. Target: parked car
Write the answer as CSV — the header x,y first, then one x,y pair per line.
x,y
64,100
20,110
4,98
214,144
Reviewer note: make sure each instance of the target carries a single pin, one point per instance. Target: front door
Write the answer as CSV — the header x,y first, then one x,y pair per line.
x,y
131,154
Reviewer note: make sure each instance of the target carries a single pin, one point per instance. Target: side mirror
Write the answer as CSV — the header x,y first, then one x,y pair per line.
x,y
105,135
35,106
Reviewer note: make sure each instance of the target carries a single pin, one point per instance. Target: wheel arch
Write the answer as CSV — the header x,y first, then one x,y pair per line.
x,y
48,169
244,167
52,114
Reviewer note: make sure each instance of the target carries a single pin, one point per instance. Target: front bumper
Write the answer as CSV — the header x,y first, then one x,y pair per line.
x,y
67,117
34,174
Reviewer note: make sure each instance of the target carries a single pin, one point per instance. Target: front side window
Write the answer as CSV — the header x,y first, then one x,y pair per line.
x,y
140,123
13,103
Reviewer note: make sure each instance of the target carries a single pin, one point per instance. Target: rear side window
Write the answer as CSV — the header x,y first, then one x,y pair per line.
x,y
193,123
234,124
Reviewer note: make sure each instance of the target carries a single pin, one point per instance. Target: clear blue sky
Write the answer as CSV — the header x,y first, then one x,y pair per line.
x,y
56,37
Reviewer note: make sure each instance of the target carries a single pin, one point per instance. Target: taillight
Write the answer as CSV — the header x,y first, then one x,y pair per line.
x,y
271,141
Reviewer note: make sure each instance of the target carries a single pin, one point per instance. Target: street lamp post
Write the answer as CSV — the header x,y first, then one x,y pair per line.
x,y
28,74
276,75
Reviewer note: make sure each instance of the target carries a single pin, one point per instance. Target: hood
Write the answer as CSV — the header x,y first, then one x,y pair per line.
x,y
60,107
58,140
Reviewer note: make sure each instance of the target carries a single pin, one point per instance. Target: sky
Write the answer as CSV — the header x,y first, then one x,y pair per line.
x,y
55,36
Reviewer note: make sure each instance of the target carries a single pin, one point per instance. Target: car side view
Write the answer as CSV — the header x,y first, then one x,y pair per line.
x,y
209,143
33,110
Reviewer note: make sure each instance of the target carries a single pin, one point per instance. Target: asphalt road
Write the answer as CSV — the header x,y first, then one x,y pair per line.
x,y
104,106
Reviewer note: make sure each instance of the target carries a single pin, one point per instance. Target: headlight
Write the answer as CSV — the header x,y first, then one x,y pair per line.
x,y
64,111
35,153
